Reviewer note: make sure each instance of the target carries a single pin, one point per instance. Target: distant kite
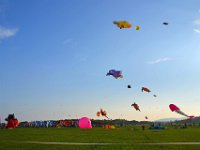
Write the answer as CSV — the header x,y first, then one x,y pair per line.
x,y
146,117
98,114
122,24
129,86
165,23
177,110
102,112
136,106
137,27
145,89
115,73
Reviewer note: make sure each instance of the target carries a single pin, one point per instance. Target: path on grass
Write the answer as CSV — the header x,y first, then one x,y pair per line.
x,y
68,143
77,143
174,143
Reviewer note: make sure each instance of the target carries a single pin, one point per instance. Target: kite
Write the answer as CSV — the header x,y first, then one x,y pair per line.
x,y
145,89
136,106
98,113
165,23
84,123
102,112
115,73
12,121
122,24
146,117
129,86
137,27
177,110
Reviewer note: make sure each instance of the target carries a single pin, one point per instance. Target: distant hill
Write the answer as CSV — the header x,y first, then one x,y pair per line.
x,y
192,121
169,119
180,120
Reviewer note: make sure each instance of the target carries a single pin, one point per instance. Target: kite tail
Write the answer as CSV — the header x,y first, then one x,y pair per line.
x,y
108,118
191,117
181,113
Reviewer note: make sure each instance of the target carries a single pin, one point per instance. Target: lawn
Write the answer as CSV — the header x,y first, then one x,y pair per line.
x,y
120,138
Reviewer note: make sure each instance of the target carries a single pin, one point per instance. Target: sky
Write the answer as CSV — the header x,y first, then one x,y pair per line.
x,y
54,56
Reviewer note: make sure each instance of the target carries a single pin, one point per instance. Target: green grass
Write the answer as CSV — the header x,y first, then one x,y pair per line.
x,y
126,138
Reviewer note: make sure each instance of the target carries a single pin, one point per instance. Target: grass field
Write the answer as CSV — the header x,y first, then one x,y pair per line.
x,y
100,139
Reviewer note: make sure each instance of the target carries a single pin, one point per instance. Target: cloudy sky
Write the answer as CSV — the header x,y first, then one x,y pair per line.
x,y
54,56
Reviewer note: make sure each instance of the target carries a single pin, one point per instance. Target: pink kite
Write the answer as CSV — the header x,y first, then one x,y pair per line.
x,y
177,110
84,123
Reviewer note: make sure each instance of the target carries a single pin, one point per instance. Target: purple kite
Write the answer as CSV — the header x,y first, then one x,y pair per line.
x,y
177,110
115,73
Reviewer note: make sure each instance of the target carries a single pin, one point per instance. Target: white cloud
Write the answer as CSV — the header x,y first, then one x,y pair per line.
x,y
71,43
196,22
197,31
159,60
6,32
84,59
68,41
81,57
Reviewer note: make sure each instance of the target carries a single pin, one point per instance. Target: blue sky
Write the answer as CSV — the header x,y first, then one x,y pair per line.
x,y
54,56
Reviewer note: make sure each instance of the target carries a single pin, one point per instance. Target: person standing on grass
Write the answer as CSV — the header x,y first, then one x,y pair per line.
x,y
143,127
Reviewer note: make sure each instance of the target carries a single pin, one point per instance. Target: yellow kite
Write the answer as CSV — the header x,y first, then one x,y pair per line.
x,y
122,24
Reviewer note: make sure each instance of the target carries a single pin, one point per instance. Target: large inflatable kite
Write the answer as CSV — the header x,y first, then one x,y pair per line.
x,y
12,121
115,73
102,113
84,123
122,24
177,110
136,106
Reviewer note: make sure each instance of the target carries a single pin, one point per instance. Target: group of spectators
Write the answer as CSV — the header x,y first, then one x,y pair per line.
x,y
49,123
12,122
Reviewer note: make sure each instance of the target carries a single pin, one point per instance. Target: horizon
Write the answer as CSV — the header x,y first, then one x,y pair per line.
x,y
102,119
54,57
